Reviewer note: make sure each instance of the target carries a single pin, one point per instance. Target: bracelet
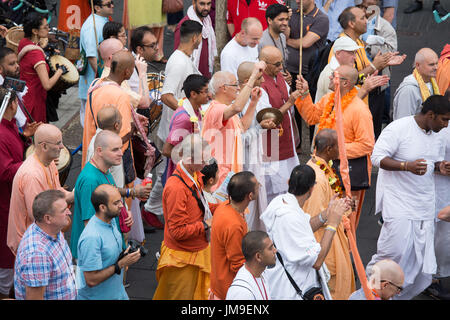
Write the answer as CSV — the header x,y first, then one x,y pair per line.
x,y
402,166
321,218
133,193
304,94
331,228
372,65
128,193
117,268
406,165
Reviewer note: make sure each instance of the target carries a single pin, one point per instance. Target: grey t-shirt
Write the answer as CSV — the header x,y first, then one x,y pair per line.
x,y
280,43
316,21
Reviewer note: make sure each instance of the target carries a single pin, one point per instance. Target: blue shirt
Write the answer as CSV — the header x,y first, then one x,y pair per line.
x,y
88,43
98,248
333,13
88,180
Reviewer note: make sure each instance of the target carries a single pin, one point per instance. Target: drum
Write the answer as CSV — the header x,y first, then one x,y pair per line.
x,y
66,80
64,164
15,34
155,83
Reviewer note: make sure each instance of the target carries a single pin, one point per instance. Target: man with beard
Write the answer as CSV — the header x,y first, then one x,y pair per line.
x,y
249,283
206,52
99,248
9,67
409,154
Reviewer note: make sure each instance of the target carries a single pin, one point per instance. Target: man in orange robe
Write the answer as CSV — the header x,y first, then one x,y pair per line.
x,y
338,261
357,120
443,71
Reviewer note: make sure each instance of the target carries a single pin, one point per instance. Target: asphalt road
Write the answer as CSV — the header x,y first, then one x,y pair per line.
x,y
414,32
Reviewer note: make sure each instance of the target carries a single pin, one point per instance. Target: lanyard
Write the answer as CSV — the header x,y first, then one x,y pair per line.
x,y
264,287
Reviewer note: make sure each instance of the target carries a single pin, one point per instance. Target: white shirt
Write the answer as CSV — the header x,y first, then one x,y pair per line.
x,y
233,54
21,118
178,68
116,171
289,228
401,193
247,287
443,182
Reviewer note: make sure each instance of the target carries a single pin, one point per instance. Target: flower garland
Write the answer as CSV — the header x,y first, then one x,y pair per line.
x,y
334,181
328,118
193,119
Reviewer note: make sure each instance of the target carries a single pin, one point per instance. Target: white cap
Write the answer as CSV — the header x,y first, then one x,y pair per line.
x,y
345,43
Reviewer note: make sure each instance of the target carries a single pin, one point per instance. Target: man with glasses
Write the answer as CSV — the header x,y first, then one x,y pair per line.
x,y
36,174
90,38
386,281
222,127
243,46
206,52
279,156
357,120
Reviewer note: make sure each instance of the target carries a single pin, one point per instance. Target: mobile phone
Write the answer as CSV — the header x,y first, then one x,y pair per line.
x,y
14,84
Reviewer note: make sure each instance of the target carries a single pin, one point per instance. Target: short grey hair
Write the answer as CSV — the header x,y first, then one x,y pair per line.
x,y
219,79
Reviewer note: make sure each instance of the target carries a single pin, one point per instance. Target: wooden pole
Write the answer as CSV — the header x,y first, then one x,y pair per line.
x,y
221,30
301,39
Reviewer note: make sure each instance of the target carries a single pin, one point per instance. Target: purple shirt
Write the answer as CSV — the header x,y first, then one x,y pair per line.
x,y
43,261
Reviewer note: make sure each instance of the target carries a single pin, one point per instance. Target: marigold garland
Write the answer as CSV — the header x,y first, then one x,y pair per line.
x,y
334,181
328,118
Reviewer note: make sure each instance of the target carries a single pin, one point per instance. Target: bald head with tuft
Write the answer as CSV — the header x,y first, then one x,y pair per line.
x,y
122,62
109,118
107,48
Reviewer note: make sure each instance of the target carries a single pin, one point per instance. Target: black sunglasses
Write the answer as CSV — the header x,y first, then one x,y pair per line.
x,y
109,4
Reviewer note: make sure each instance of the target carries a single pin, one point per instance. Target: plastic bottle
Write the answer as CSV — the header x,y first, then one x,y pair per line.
x,y
147,180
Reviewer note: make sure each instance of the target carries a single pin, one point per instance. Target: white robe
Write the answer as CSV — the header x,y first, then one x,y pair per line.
x,y
407,203
289,228
252,142
246,287
442,232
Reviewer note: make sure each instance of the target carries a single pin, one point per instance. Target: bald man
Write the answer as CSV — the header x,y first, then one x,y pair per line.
x,y
108,91
279,155
36,174
357,122
222,127
386,280
109,118
107,153
243,46
418,86
139,98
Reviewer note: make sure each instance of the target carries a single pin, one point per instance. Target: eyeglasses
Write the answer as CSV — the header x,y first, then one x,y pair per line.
x,y
276,64
153,45
342,78
59,143
109,4
232,85
399,289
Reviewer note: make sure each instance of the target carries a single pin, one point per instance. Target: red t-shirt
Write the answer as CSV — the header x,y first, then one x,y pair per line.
x,y
36,95
238,10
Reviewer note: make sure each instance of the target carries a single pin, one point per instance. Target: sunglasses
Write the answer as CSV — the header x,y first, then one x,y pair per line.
x,y
399,289
153,45
109,4
276,64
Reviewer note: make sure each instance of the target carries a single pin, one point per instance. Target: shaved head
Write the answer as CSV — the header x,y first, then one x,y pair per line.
x,y
105,139
107,117
244,71
270,53
108,47
325,138
46,132
348,72
386,276
251,32
425,54
121,62
426,63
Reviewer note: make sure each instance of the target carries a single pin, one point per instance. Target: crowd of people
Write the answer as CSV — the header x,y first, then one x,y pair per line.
x,y
243,219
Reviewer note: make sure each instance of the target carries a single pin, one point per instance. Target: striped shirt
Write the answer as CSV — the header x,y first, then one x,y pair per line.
x,y
43,261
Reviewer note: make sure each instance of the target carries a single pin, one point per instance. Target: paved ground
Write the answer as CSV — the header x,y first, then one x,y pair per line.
x,y
414,32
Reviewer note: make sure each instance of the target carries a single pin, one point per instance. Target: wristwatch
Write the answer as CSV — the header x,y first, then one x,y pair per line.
x,y
117,269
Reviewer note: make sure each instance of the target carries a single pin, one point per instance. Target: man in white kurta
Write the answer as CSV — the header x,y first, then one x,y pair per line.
x,y
289,228
442,232
407,203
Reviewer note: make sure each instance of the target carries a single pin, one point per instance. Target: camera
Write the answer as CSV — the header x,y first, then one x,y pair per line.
x,y
134,246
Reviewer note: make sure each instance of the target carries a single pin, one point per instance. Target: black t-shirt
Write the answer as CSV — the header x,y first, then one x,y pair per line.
x,y
316,21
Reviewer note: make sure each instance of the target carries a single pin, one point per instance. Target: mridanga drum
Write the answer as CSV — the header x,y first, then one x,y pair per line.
x,y
66,80
155,82
64,163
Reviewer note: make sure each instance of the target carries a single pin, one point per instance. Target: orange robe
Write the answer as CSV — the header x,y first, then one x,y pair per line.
x,y
227,230
358,132
106,95
338,262
443,71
